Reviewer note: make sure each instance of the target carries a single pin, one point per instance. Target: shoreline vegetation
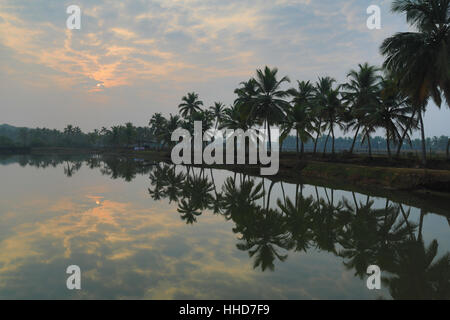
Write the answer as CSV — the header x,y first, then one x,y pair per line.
x,y
429,189
342,171
391,99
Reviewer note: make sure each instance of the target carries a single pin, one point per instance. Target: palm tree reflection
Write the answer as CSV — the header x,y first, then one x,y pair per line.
x,y
359,233
269,228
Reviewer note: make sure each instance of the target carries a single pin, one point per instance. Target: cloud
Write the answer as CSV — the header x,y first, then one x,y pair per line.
x,y
146,53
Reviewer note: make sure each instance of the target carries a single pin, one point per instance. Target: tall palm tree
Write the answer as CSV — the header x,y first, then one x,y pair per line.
x,y
298,119
218,112
269,104
332,108
247,93
448,149
158,127
172,124
190,105
359,92
323,86
299,115
420,59
237,117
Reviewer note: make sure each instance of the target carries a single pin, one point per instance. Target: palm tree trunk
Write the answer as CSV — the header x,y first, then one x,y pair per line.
x,y
257,145
268,195
388,144
422,215
422,131
284,194
280,146
214,183
270,137
332,135
326,143
400,145
370,146
405,217
448,149
297,145
317,138
354,139
326,194
356,202
303,148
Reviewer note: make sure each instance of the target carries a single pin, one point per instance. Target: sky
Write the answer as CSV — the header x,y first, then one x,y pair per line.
x,y
133,58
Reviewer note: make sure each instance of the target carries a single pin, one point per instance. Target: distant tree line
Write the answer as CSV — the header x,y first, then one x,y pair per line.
x,y
153,136
72,136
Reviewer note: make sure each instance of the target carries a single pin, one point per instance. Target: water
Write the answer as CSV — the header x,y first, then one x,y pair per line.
x,y
149,230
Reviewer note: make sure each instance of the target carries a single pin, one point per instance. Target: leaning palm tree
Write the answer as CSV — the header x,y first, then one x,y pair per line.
x,y
190,105
359,92
420,59
392,113
269,104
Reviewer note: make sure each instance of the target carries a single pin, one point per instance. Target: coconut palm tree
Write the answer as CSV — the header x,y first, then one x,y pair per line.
x,y
237,117
359,92
172,124
299,115
190,105
247,93
448,149
421,58
322,88
298,119
158,127
269,105
332,108
392,113
218,112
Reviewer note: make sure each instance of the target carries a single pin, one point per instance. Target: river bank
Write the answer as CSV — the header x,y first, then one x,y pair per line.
x,y
342,172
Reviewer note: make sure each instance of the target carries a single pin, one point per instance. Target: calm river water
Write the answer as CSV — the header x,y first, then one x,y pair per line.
x,y
147,230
